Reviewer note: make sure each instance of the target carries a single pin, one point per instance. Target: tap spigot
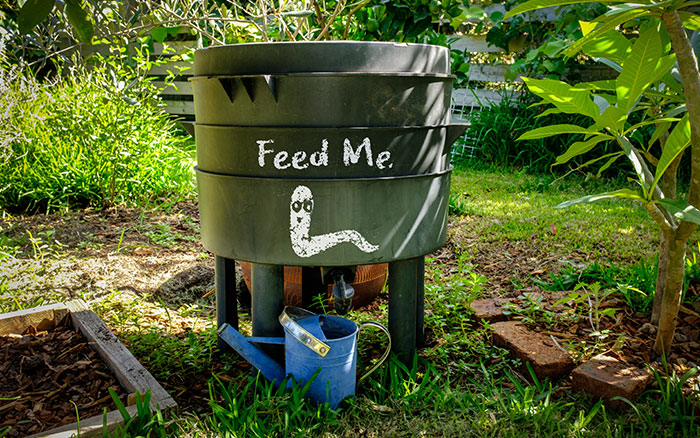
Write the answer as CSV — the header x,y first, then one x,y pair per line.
x,y
342,295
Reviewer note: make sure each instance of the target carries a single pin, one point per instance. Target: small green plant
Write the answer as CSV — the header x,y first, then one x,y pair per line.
x,y
144,424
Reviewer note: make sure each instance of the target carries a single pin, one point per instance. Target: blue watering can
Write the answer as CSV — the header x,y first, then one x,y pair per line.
x,y
323,343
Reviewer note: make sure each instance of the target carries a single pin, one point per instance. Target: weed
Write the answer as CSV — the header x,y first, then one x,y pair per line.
x,y
92,137
144,424
163,235
261,410
674,408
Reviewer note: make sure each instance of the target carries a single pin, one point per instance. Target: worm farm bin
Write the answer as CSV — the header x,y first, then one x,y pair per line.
x,y
323,154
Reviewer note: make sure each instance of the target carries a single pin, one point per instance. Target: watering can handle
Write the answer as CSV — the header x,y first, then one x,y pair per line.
x,y
386,352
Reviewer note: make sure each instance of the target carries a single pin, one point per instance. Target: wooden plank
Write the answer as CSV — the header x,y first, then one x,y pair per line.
x,y
178,68
89,427
472,44
130,373
43,318
179,107
183,88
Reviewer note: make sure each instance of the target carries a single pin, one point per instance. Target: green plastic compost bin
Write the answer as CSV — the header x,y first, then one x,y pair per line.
x,y
324,154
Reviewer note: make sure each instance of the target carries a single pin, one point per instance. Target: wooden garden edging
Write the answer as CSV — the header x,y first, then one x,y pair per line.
x,y
132,376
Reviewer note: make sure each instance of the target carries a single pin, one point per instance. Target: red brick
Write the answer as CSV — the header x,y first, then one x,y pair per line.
x,y
490,310
607,377
546,359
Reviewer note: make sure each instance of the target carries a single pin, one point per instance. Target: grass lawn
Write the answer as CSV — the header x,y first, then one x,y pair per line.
x,y
146,274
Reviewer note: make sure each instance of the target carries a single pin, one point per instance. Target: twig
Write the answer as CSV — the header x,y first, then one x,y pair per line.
x,y
559,335
70,350
350,14
209,292
557,344
590,313
690,312
8,406
339,7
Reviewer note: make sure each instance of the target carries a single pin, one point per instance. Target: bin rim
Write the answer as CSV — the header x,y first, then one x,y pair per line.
x,y
325,74
442,172
454,122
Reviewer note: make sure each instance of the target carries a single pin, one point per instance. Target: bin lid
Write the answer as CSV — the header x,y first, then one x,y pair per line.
x,y
321,56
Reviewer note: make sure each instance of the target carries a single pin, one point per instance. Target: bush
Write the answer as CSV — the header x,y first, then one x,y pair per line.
x,y
92,137
494,129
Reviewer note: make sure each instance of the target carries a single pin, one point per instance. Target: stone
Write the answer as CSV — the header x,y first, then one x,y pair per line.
x,y
490,310
545,357
647,329
607,377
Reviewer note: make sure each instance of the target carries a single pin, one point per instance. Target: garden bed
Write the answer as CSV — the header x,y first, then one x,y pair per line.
x,y
60,360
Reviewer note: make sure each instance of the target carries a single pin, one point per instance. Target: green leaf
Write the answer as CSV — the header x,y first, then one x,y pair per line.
x,y
635,158
672,83
677,141
664,65
613,118
79,19
568,99
538,4
606,85
548,131
611,45
579,148
680,209
159,34
690,20
32,13
548,112
611,160
586,27
665,120
661,129
608,24
622,193
637,68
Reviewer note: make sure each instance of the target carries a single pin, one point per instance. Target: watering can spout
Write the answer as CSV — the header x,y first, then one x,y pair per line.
x,y
455,130
271,369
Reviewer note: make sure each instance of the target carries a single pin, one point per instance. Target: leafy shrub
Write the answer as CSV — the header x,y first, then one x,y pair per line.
x,y
92,137
495,127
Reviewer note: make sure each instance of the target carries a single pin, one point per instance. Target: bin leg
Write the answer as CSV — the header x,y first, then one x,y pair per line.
x,y
267,302
311,286
404,295
420,302
226,306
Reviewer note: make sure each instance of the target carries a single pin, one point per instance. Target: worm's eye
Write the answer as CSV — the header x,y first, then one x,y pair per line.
x,y
296,206
308,205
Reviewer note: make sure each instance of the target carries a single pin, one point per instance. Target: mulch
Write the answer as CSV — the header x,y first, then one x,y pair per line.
x,y
46,376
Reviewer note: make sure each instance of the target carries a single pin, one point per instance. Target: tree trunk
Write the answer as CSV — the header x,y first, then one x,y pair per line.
x,y
661,278
675,269
688,66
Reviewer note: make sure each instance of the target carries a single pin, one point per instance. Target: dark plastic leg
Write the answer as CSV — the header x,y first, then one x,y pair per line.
x,y
225,284
420,302
267,284
311,287
403,304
